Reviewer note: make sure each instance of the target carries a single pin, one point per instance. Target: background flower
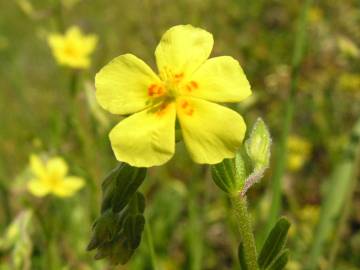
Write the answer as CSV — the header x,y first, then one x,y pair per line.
x,y
72,49
51,177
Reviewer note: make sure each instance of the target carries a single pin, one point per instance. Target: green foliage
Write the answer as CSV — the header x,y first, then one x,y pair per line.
x,y
272,254
120,185
341,186
117,232
17,240
280,262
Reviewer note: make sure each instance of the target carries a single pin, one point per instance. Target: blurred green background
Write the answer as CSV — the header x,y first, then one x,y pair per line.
x,y
189,216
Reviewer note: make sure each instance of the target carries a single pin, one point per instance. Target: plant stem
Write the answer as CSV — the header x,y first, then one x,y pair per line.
x,y
242,216
151,246
288,117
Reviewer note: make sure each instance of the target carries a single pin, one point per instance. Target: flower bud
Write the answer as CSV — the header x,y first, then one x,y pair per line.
x,y
258,145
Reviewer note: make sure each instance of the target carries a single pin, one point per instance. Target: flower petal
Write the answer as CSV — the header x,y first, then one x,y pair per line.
x,y
37,166
219,79
56,42
211,132
38,188
89,43
57,167
69,186
121,86
182,48
147,138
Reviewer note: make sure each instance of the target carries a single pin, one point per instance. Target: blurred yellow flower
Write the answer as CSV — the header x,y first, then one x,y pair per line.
x,y
299,150
187,85
72,49
349,82
348,47
51,178
315,15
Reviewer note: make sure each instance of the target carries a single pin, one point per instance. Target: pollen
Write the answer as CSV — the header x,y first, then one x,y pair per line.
x,y
191,86
162,109
187,108
184,104
179,76
194,84
155,90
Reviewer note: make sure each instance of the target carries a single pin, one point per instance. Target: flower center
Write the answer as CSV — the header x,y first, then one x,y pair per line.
x,y
171,87
70,50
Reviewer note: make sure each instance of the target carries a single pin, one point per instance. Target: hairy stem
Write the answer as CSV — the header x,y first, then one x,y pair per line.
x,y
239,208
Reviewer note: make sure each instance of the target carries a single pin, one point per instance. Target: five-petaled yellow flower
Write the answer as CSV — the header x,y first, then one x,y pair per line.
x,y
187,85
72,49
51,178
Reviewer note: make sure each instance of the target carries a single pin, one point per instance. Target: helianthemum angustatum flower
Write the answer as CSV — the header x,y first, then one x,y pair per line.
x,y
73,48
186,88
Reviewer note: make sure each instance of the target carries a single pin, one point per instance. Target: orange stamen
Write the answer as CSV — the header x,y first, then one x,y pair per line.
x,y
190,111
155,90
179,76
152,89
184,104
194,84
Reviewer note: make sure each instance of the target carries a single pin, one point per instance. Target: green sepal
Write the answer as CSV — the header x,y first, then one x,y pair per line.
x,y
241,256
258,149
274,243
230,174
280,262
258,145
120,185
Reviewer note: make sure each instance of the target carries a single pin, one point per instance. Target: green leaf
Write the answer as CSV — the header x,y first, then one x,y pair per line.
x,y
120,185
104,229
274,243
117,235
241,256
280,262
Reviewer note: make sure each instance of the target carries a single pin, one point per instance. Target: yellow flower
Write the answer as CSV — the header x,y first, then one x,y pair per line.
x,y
298,152
72,49
187,85
51,178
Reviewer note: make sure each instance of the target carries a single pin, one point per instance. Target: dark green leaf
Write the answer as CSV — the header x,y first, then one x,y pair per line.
x,y
133,227
274,243
120,185
117,235
104,229
280,262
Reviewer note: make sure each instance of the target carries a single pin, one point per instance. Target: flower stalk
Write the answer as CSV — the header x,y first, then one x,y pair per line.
x,y
243,220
